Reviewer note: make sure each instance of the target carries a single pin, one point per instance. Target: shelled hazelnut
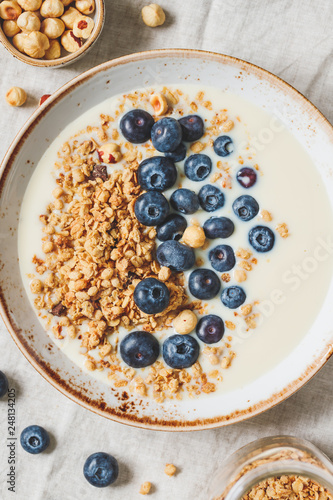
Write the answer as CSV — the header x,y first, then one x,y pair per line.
x,y
31,5
9,9
85,6
70,16
52,27
70,42
10,28
16,96
83,27
54,51
28,21
153,15
19,41
35,44
52,8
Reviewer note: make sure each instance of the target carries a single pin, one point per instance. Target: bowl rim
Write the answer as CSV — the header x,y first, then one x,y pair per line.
x,y
61,61
42,368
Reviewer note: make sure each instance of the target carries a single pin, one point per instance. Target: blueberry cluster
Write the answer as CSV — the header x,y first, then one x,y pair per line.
x,y
156,175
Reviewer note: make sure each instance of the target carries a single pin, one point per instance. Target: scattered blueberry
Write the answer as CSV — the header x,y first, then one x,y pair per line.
x,y
151,208
3,384
151,296
211,198
180,351
139,349
218,227
197,167
172,228
178,154
157,174
222,258
245,207
223,145
101,469
184,201
204,284
261,238
136,126
233,297
166,134
246,177
192,127
175,255
34,439
210,329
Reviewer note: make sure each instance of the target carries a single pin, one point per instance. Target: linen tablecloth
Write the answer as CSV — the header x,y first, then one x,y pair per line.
x,y
290,39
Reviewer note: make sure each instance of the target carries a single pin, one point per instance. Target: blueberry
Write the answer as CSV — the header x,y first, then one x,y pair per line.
x,y
3,384
223,145
139,349
192,127
245,207
151,208
34,439
261,238
233,297
178,154
204,284
136,126
184,201
246,177
157,174
211,198
101,469
210,329
222,258
172,228
180,351
151,296
218,227
198,167
166,134
175,255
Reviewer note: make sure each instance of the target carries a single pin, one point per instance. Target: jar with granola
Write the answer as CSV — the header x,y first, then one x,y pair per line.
x,y
279,468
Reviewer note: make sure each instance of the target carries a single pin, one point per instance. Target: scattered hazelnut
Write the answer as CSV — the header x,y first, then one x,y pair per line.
x,y
109,153
83,27
31,5
153,15
70,16
170,469
54,51
194,236
159,103
10,28
16,96
28,21
44,97
9,9
70,42
145,488
19,41
35,44
52,27
185,322
52,8
85,6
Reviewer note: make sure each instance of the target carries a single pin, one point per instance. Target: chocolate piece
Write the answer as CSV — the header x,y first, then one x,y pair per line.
x,y
58,310
99,171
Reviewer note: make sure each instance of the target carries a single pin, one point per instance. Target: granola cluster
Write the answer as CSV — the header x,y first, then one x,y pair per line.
x,y
288,488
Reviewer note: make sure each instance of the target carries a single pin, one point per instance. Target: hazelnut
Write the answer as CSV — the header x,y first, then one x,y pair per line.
x,y
159,103
54,51
83,27
19,41
70,42
9,9
52,27
66,2
109,153
16,96
185,322
153,15
85,6
31,5
28,21
52,8
36,44
10,28
194,236
70,16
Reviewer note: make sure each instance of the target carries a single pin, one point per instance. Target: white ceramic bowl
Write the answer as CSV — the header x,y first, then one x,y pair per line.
x,y
85,91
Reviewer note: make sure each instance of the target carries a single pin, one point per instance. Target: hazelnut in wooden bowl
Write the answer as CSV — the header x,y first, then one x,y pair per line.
x,y
50,33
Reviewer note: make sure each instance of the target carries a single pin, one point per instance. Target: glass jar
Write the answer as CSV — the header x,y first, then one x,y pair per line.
x,y
270,457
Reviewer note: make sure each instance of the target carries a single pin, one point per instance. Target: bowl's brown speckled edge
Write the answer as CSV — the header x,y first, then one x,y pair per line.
x,y
21,341
69,58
